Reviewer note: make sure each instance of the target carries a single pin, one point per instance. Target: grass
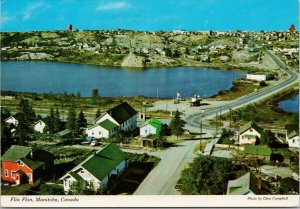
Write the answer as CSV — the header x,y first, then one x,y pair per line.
x,y
240,88
22,189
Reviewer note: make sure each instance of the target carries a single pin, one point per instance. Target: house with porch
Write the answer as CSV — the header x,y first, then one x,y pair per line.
x,y
21,164
121,117
249,133
153,126
39,126
98,169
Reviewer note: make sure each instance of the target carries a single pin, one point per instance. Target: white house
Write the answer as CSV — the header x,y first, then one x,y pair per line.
x,y
11,120
39,126
256,77
292,138
97,169
104,129
249,133
152,126
123,115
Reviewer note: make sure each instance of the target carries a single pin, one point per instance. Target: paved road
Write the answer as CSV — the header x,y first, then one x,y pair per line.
x,y
162,179
194,120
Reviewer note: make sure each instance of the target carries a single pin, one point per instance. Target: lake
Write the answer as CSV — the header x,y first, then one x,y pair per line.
x,y
46,77
290,105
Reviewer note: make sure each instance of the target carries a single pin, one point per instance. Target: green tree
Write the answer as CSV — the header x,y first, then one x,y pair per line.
x,y
81,122
49,189
71,120
206,176
26,117
5,136
161,141
51,121
95,95
57,122
177,125
268,138
80,188
98,113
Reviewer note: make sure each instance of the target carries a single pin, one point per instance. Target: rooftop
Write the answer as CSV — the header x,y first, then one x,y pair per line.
x,y
122,112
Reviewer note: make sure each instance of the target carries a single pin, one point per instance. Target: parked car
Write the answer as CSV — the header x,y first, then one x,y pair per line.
x,y
94,143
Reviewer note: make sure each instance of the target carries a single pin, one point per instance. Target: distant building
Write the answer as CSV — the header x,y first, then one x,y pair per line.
x,y
247,184
22,164
12,120
153,126
249,133
39,126
256,77
98,169
104,129
292,137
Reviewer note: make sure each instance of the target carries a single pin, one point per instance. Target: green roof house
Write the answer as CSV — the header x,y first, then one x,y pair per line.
x,y
247,184
292,136
98,168
249,133
153,126
21,164
121,117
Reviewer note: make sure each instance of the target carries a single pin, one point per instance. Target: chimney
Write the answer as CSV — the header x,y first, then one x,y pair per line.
x,y
259,183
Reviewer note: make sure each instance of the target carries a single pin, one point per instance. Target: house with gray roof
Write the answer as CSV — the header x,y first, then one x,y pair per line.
x,y
247,184
97,169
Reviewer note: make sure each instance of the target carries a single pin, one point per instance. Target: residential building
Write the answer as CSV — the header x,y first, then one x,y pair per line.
x,y
122,117
22,164
247,184
39,126
153,126
104,129
249,133
98,168
64,134
256,77
11,120
292,137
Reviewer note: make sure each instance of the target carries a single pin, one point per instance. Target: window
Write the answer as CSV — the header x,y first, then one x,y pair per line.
x,y
92,133
13,174
29,176
251,130
21,163
6,173
145,131
99,132
66,182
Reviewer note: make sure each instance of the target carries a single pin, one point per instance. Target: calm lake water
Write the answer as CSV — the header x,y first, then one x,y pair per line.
x,y
290,105
45,77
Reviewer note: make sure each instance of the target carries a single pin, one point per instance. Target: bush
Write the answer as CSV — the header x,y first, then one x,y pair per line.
x,y
52,189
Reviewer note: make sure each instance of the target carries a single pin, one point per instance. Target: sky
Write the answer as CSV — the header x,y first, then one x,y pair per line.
x,y
149,15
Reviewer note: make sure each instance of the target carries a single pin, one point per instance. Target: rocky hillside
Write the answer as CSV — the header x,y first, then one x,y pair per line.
x,y
234,49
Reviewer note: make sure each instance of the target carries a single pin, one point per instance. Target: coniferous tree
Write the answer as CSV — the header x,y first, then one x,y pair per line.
x,y
57,122
50,121
177,125
98,113
95,95
71,120
26,117
81,122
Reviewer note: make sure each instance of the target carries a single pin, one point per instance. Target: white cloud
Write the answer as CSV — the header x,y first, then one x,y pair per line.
x,y
112,6
31,9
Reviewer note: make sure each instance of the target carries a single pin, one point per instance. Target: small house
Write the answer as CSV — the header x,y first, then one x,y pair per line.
x,y
292,137
249,133
22,164
247,184
153,126
104,129
39,126
12,120
98,169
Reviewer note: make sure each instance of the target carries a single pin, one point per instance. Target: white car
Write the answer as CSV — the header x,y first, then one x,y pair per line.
x,y
94,143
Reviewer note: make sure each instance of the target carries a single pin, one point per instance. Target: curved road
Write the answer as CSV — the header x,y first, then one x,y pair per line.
x,y
162,179
194,120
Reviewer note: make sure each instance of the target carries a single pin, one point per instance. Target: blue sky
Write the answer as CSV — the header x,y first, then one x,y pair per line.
x,y
150,15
